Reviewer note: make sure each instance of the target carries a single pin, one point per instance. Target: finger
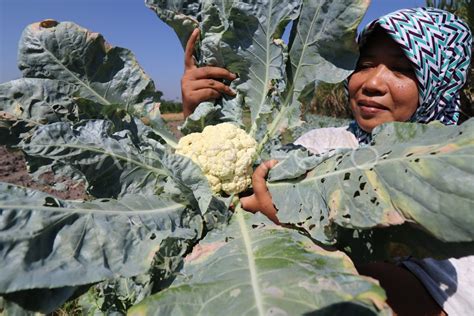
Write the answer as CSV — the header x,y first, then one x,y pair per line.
x,y
259,182
188,109
249,203
205,95
189,51
213,84
210,72
273,217
252,204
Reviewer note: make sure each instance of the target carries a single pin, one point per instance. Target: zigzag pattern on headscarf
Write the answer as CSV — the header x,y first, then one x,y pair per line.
x,y
438,44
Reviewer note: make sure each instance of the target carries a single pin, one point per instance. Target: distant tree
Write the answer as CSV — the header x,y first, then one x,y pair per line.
x,y
168,106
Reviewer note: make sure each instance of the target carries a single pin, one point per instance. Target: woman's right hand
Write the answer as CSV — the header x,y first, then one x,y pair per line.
x,y
201,84
261,199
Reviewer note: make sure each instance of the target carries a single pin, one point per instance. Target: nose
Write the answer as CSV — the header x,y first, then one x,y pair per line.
x,y
376,81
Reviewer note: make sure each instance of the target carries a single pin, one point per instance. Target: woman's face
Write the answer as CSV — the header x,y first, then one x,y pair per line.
x,y
383,88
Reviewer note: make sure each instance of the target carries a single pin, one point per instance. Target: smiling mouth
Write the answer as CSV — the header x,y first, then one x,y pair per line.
x,y
371,105
369,109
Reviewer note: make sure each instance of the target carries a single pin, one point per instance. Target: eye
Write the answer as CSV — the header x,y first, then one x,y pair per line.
x,y
364,65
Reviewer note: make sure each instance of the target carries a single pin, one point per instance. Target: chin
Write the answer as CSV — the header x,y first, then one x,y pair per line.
x,y
366,125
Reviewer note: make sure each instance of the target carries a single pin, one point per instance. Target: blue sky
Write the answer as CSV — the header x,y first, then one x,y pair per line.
x,y
125,23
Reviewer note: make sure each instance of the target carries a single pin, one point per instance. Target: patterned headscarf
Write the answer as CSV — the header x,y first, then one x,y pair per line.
x,y
438,44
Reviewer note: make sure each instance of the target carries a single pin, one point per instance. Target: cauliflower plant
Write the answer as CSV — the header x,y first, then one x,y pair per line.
x,y
224,153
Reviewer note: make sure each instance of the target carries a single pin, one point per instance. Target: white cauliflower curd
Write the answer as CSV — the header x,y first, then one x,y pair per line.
x,y
224,153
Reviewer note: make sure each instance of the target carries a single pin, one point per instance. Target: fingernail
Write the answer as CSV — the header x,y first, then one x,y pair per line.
x,y
235,75
233,92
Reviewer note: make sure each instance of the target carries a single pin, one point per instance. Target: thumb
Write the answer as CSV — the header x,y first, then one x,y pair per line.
x,y
249,203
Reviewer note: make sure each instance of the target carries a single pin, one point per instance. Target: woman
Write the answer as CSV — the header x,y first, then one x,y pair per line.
x,y
412,66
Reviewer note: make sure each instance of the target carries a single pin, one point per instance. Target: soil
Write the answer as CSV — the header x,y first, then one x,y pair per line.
x,y
13,169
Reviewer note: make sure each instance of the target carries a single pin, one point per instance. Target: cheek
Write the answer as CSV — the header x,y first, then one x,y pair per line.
x,y
405,97
354,84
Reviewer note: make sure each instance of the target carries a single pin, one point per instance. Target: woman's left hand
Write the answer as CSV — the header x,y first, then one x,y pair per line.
x,y
261,199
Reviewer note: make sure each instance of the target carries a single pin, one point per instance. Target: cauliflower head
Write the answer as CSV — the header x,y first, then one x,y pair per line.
x,y
224,152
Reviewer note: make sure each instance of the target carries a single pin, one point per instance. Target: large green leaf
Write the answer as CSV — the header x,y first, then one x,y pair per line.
x,y
49,243
70,71
256,28
214,16
38,101
314,52
67,52
418,176
252,268
245,37
28,103
133,161
102,155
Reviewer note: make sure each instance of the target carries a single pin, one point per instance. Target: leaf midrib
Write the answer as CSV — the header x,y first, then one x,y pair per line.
x,y
95,211
251,260
383,162
73,75
290,93
267,58
107,153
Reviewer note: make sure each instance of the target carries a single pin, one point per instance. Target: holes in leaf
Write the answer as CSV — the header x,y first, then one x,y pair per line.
x,y
408,155
406,170
322,180
321,218
152,236
17,95
362,186
373,200
385,155
49,201
356,194
433,153
286,34
417,160
48,23
347,216
311,226
347,176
